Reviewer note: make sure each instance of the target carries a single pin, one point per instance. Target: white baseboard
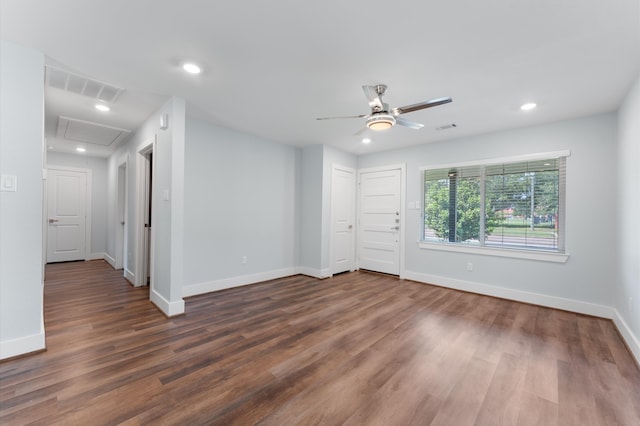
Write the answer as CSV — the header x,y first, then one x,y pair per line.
x,y
96,256
312,272
209,286
129,276
629,337
517,295
170,309
22,345
110,260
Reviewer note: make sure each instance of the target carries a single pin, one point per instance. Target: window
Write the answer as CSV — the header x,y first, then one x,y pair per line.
x,y
508,205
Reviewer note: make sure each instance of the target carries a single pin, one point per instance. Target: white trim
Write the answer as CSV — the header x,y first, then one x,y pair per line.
x,y
129,276
382,168
96,256
332,230
403,210
147,147
87,234
170,309
22,345
500,160
511,294
68,169
632,341
110,260
121,234
403,218
313,272
495,251
209,286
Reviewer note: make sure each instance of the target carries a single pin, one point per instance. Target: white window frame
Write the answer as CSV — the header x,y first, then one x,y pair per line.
x,y
529,254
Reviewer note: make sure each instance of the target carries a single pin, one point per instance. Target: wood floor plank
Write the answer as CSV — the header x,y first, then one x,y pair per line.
x,y
359,349
502,401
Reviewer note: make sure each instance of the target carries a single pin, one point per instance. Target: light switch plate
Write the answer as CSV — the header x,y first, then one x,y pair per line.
x,y
9,183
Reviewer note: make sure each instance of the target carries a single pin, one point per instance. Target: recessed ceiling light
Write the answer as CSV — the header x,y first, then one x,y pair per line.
x,y
191,68
80,149
528,106
102,107
366,140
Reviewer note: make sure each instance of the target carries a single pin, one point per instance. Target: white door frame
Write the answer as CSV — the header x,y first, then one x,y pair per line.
x,y
87,231
352,265
121,207
403,190
141,182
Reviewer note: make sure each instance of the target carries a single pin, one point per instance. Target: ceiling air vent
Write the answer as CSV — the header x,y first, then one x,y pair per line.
x,y
65,80
447,126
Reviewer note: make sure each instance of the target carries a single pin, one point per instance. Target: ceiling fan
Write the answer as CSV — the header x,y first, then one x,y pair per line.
x,y
382,117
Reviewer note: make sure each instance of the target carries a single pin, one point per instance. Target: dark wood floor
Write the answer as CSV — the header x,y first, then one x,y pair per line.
x,y
357,349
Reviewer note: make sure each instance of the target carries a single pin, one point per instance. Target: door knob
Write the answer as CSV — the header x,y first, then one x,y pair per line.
x,y
396,228
53,220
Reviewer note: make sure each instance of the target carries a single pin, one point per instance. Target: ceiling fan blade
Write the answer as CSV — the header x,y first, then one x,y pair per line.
x,y
410,124
342,116
372,96
421,105
361,131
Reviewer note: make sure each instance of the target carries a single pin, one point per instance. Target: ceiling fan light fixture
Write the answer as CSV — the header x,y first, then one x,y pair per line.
x,y
380,122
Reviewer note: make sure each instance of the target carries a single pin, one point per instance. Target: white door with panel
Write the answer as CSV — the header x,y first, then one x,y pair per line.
x,y
67,215
343,198
379,221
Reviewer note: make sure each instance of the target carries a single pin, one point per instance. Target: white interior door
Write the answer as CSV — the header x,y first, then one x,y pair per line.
x,y
67,215
121,215
380,221
343,198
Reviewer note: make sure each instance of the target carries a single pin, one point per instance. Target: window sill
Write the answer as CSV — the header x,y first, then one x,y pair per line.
x,y
499,252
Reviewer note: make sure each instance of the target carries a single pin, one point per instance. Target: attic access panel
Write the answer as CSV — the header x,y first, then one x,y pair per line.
x,y
87,132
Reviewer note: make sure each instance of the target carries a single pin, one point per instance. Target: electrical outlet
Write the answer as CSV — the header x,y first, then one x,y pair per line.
x,y
244,260
469,266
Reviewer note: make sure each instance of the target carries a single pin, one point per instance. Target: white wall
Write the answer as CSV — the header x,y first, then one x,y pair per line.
x,y
98,167
586,281
627,208
167,221
240,200
21,227
311,210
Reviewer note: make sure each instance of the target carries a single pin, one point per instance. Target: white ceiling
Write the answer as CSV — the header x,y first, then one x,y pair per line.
x,y
271,68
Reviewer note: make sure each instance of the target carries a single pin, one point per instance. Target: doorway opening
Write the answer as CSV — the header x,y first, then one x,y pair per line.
x,y
144,203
